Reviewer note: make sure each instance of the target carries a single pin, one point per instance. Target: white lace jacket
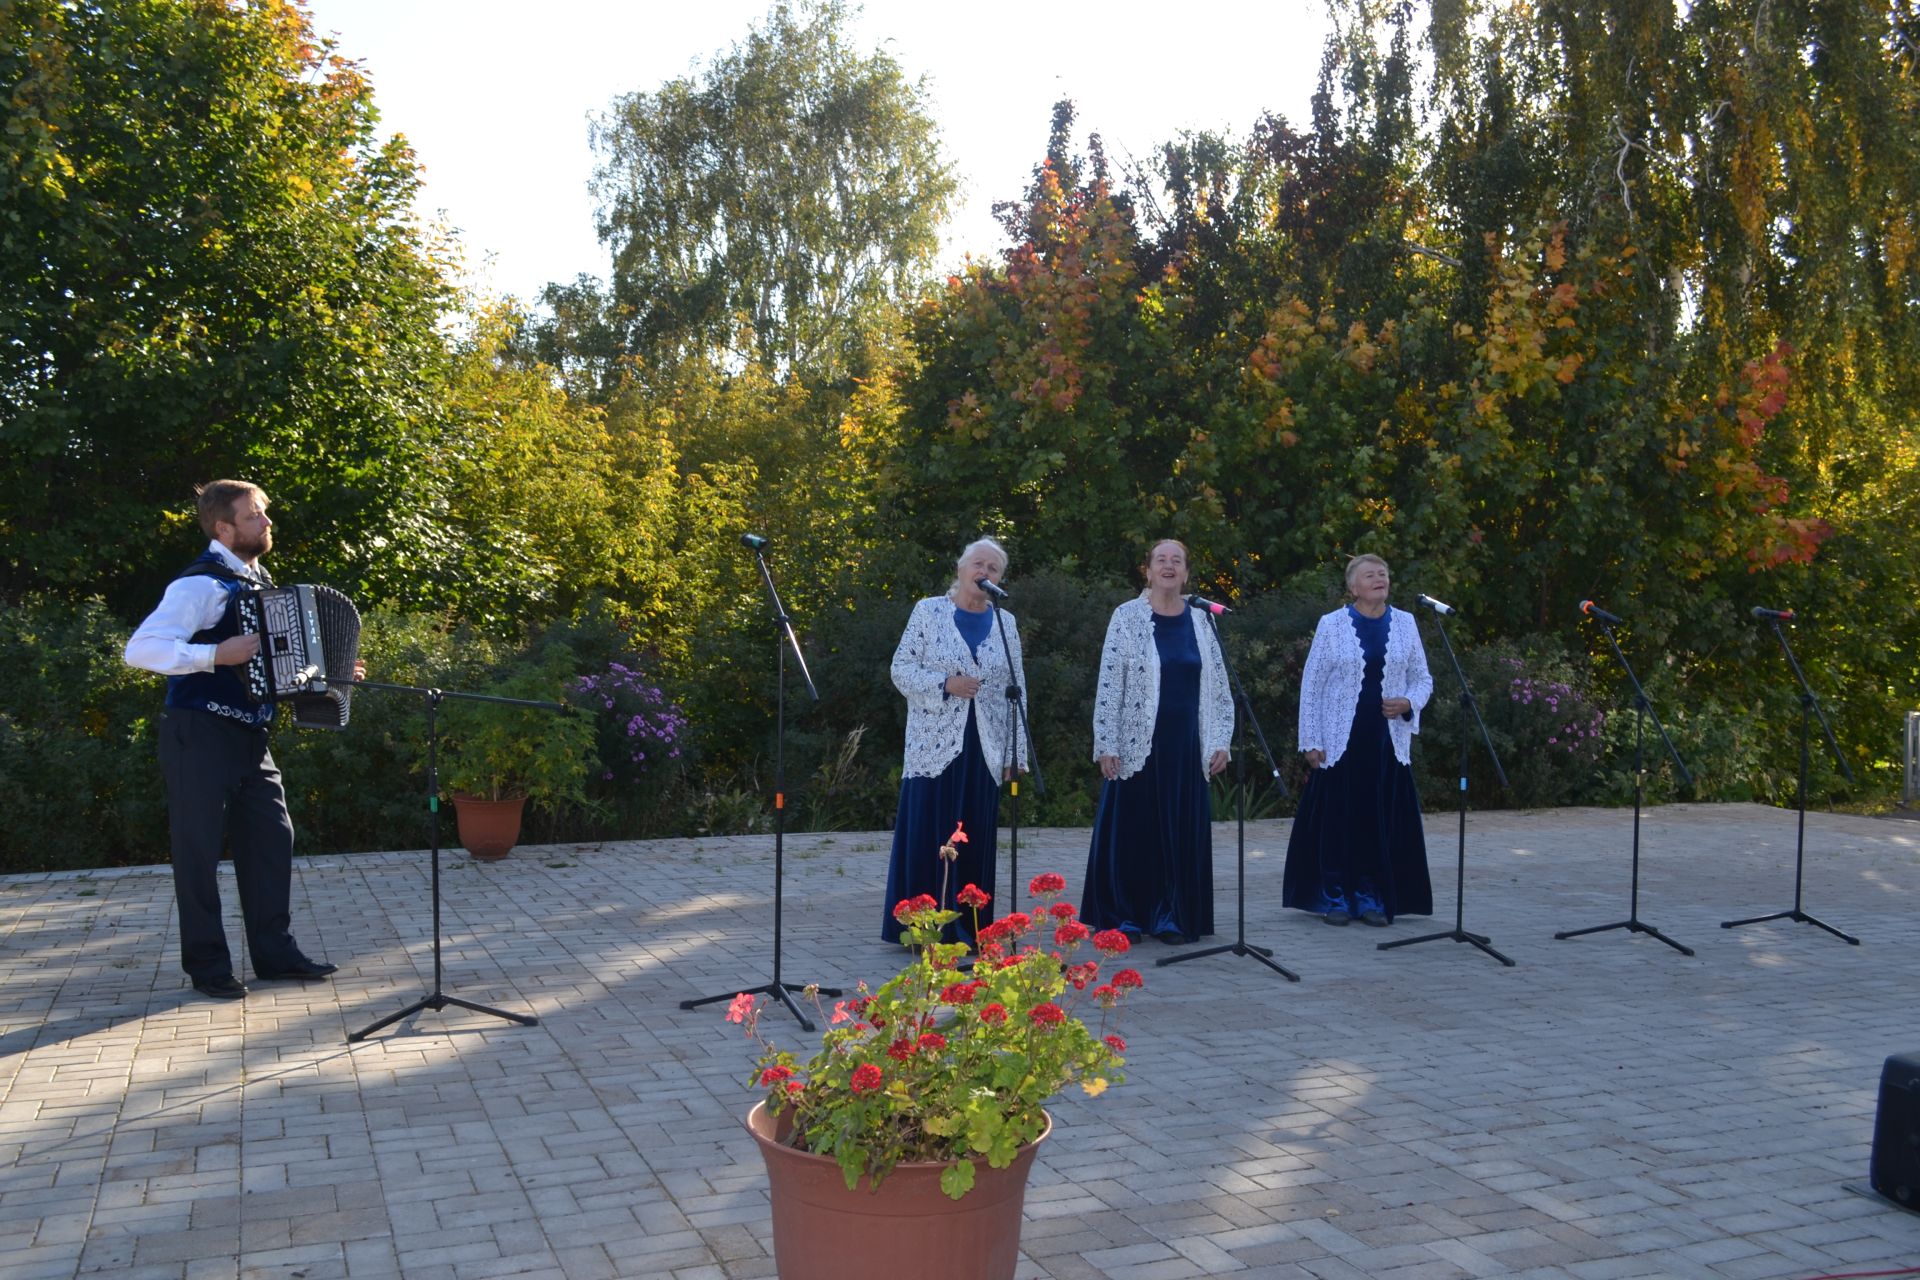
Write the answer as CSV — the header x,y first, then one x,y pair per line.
x,y
931,650
1330,685
1128,699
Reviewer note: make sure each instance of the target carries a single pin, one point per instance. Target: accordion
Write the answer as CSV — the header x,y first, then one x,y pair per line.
x,y
309,637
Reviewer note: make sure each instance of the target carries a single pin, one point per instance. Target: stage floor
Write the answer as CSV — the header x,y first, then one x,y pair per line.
x,y
1606,1108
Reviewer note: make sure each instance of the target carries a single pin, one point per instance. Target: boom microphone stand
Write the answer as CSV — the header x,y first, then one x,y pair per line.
x,y
1642,708
1239,946
1467,707
438,999
783,639
1019,727
1808,704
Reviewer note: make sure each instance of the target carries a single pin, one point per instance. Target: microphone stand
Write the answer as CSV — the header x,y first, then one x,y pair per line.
x,y
1240,946
1808,703
438,999
1467,707
1017,727
783,640
1642,708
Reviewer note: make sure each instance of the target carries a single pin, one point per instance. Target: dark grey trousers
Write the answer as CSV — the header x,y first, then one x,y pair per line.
x,y
222,785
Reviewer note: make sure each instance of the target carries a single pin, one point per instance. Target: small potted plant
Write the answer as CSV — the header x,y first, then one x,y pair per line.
x,y
495,757
911,1132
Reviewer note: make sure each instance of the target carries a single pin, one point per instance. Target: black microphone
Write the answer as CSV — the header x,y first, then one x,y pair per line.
x,y
1761,615
991,587
1437,606
1593,610
1201,602
753,542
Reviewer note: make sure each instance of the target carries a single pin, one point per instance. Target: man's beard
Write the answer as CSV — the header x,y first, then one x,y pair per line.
x,y
254,549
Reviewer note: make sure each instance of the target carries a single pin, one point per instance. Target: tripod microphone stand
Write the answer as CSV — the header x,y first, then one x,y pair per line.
x,y
783,639
1240,946
1017,727
1642,708
1468,707
1808,705
438,999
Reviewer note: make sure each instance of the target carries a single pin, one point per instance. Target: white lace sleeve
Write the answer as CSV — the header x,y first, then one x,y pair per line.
x,y
1112,690
1313,680
1019,678
917,670
1419,679
1216,692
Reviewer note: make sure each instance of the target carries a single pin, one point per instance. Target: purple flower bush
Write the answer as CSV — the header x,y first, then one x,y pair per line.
x,y
1546,725
641,729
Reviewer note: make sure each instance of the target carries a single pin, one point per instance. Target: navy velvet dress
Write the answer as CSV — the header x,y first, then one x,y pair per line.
x,y
1357,842
966,792
1151,866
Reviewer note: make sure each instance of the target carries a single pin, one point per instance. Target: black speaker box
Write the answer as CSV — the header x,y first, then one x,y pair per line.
x,y
1896,1132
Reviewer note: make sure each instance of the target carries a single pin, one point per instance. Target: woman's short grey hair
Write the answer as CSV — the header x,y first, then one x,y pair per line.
x,y
967,551
1365,557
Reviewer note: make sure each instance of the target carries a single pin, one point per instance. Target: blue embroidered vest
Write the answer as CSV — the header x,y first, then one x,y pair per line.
x,y
221,690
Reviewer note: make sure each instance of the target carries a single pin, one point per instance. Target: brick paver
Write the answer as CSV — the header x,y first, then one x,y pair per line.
x,y
1607,1108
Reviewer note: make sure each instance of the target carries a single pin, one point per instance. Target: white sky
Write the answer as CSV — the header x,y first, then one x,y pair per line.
x,y
495,95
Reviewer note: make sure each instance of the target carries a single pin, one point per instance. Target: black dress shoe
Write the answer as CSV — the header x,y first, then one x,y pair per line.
x,y
1172,937
1337,916
224,987
301,970
1374,918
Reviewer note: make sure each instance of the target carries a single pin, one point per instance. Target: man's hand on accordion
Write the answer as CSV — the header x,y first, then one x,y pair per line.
x,y
235,650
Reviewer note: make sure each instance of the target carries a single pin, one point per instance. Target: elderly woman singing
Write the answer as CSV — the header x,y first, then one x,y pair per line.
x,y
1162,721
953,671
1357,850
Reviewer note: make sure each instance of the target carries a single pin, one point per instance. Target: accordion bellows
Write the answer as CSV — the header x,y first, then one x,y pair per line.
x,y
309,638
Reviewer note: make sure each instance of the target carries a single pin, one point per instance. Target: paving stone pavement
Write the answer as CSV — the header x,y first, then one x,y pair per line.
x,y
1608,1108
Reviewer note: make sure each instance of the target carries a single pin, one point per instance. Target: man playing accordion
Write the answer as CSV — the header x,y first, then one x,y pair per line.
x,y
221,779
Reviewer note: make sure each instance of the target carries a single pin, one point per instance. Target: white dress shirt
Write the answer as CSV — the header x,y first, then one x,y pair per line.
x,y
191,605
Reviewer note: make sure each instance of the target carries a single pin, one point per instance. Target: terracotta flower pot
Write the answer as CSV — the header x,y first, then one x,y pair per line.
x,y
822,1231
488,828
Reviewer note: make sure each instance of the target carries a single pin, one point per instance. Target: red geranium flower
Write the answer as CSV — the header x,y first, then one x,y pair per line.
x,y
1070,932
959,993
866,1078
900,1050
794,1087
974,896
739,1007
959,835
1047,1015
1111,941
1081,974
1061,911
1129,978
907,906
994,1014
933,1040
1017,923
1047,882
1116,1044
774,1075
1107,994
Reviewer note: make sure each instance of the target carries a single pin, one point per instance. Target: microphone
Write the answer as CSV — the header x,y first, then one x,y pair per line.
x,y
1593,610
991,587
753,542
1437,606
1762,615
306,676
1202,603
